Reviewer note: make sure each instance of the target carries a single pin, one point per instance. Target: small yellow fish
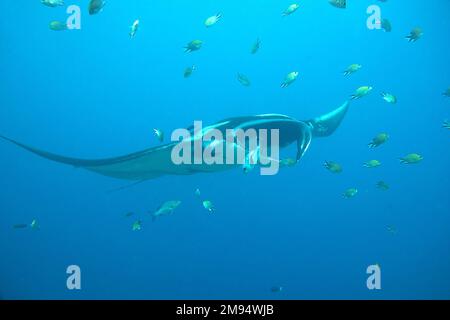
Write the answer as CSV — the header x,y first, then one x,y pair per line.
x,y
52,3
167,208
288,162
372,164
389,97
194,45
34,225
213,20
290,78
411,158
159,134
333,166
20,226
379,140
341,4
446,124
291,9
276,289
243,79
414,35
208,205
382,185
96,6
256,46
350,193
391,229
58,26
352,69
361,92
137,225
386,25
134,28
189,70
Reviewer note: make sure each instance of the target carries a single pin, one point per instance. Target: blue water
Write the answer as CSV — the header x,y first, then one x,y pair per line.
x,y
94,93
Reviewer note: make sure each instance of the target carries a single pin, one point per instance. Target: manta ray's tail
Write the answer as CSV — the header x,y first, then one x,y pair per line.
x,y
326,124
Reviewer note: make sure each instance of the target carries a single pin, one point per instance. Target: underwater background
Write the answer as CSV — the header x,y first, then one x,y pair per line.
x,y
96,93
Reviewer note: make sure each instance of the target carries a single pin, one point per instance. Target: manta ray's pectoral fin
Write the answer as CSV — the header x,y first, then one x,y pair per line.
x,y
326,124
139,166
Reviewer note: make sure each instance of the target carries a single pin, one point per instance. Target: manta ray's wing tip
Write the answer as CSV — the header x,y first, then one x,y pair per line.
x,y
326,124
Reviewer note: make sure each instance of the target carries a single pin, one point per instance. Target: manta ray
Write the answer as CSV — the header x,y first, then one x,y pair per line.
x,y
155,162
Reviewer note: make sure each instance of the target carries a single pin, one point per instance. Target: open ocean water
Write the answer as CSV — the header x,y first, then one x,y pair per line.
x,y
95,93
